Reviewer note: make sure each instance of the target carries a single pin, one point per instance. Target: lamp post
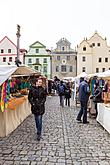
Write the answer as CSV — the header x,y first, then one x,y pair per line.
x,y
18,37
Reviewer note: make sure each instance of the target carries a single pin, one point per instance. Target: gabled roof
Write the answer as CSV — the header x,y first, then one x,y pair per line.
x,y
8,40
63,41
96,33
85,40
37,44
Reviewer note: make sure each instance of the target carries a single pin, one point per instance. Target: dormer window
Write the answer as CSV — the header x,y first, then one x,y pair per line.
x,y
98,44
2,50
63,48
93,44
37,50
9,50
84,48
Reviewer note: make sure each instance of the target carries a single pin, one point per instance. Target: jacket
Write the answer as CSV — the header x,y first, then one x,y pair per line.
x,y
84,91
37,98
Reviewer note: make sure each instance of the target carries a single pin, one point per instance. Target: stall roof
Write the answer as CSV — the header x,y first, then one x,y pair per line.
x,y
6,71
25,70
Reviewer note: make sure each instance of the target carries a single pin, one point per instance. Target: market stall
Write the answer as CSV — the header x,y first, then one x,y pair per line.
x,y
14,105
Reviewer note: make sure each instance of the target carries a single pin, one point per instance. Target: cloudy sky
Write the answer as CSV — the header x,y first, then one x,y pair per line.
x,y
49,20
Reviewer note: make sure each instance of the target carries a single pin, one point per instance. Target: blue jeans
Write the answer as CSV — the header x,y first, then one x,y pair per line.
x,y
83,111
38,121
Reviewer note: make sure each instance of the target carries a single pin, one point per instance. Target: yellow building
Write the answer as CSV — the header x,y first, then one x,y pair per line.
x,y
93,55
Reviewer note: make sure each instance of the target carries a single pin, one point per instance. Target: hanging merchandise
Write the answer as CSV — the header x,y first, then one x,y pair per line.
x,y
5,95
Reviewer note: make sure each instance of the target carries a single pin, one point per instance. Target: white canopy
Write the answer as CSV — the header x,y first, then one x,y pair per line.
x,y
83,74
6,71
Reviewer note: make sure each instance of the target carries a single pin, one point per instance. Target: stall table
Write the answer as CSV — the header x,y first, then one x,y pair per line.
x,y
10,119
103,116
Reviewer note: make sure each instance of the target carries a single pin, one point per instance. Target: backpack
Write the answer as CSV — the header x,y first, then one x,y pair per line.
x,y
61,89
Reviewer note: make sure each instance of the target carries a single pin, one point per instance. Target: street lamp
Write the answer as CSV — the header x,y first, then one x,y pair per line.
x,y
17,61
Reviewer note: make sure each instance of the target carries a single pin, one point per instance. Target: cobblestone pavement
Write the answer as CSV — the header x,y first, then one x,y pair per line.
x,y
65,142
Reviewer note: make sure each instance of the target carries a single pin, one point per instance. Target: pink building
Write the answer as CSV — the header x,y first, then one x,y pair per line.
x,y
8,52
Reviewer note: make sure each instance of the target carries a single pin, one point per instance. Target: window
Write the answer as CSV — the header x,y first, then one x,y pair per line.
x,y
93,44
83,69
4,59
71,68
100,59
29,60
10,59
57,68
68,58
15,58
37,50
9,50
98,44
106,59
63,68
2,51
36,67
84,48
45,60
37,60
45,69
103,69
83,58
63,48
97,70
58,58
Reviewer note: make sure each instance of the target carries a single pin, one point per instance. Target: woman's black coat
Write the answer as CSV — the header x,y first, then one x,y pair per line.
x,y
37,98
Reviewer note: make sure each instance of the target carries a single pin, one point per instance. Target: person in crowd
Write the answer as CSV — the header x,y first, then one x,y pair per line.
x,y
84,92
97,97
67,94
37,98
61,92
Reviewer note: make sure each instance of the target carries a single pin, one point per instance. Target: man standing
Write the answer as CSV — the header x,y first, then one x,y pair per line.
x,y
84,92
37,98
61,91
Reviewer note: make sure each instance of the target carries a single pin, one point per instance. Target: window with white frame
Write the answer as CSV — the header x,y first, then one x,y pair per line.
x,y
37,50
29,60
37,60
2,50
106,59
58,58
71,68
9,50
57,68
83,69
68,58
45,69
4,59
103,69
83,58
10,59
63,68
97,70
45,60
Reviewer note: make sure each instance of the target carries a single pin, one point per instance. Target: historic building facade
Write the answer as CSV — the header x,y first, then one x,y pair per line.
x,y
63,60
93,55
8,52
39,58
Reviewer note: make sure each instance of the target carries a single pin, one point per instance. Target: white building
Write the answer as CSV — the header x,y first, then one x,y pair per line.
x,y
8,52
93,55
39,58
